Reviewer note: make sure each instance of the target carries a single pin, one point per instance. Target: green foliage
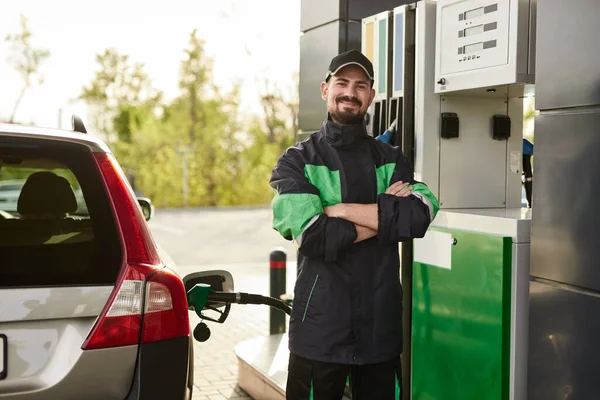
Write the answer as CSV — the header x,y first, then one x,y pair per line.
x,y
194,150
20,173
122,94
529,114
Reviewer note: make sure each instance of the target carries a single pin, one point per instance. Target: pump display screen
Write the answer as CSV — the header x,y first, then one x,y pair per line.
x,y
478,12
471,48
476,30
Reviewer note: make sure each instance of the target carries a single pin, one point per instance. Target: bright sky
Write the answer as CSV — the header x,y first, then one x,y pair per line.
x,y
247,39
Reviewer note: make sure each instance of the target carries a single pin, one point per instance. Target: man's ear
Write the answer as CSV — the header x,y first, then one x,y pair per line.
x,y
324,90
372,97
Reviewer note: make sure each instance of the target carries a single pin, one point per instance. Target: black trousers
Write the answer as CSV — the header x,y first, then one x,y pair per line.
x,y
315,380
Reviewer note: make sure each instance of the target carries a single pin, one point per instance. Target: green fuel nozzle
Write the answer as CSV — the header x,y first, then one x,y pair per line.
x,y
197,298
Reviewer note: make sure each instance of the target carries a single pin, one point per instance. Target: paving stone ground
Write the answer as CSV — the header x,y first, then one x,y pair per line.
x,y
237,240
216,369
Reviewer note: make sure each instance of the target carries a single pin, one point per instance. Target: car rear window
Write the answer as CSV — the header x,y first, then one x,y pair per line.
x,y
56,223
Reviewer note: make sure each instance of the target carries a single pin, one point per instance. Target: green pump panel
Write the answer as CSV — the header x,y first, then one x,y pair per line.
x,y
469,293
461,321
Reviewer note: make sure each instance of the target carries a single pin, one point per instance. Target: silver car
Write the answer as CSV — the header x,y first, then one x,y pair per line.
x,y
88,308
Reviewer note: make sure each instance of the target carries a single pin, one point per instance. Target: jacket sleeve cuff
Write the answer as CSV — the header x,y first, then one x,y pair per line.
x,y
340,234
393,215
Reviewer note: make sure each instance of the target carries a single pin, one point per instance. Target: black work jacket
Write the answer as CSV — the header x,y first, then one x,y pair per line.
x,y
348,297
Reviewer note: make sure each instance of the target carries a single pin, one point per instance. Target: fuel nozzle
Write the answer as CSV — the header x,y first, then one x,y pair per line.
x,y
386,136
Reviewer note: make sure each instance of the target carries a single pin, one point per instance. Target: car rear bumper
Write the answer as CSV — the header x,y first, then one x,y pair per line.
x,y
164,370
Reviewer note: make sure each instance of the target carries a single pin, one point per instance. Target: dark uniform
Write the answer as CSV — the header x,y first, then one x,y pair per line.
x,y
347,312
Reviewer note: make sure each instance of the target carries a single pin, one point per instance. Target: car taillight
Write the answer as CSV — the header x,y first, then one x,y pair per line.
x,y
165,315
146,293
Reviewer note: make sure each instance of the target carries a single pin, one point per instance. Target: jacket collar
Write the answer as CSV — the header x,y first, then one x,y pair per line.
x,y
344,135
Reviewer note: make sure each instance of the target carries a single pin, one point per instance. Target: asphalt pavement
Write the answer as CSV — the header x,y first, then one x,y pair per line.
x,y
238,240
213,236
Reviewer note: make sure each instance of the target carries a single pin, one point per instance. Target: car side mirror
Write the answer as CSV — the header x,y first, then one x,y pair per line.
x,y
147,207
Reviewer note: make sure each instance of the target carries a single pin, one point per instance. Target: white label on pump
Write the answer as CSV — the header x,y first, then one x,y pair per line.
x,y
515,162
434,249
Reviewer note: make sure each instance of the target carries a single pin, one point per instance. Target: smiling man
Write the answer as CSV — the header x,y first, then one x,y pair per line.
x,y
347,200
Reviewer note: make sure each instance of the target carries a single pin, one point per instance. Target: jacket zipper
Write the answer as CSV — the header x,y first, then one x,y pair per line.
x,y
309,296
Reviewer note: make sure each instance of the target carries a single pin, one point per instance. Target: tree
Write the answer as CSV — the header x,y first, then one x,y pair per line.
x,y
121,94
197,151
280,114
528,118
269,134
211,118
26,59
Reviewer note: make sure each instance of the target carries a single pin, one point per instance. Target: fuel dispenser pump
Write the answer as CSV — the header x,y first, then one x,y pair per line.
x,y
474,67
465,67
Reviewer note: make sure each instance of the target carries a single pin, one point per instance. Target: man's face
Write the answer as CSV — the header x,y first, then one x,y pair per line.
x,y
348,95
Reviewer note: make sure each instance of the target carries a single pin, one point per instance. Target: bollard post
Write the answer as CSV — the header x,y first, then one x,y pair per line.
x,y
277,269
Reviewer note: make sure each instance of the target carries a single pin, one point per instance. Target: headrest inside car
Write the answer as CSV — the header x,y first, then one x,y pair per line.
x,y
47,194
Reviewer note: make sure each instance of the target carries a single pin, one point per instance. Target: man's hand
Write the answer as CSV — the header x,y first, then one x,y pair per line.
x,y
399,189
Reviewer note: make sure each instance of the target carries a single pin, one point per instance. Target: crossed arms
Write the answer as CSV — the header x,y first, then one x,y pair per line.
x,y
402,212
365,216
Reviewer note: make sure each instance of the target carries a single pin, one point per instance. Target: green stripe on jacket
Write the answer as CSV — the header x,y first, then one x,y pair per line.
x,y
384,176
292,212
327,181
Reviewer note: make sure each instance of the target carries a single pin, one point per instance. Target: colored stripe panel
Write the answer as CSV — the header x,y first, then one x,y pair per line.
x,y
382,57
399,52
369,41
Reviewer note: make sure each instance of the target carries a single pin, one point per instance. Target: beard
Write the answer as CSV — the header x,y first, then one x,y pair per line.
x,y
346,115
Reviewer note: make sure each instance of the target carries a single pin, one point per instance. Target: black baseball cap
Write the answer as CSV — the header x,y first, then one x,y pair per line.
x,y
347,58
